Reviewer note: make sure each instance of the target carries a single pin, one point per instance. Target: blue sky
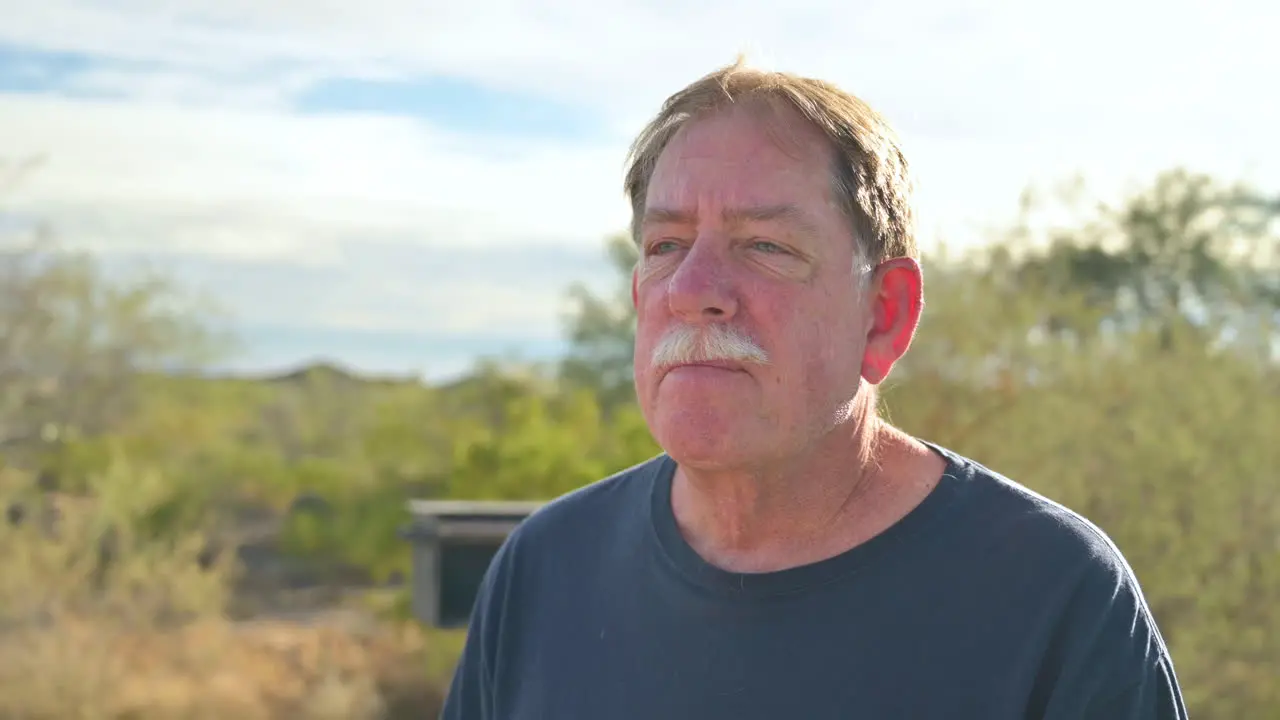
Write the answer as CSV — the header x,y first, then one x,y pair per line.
x,y
454,105
405,186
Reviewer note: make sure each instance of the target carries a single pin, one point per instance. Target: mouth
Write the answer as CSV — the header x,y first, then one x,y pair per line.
x,y
727,365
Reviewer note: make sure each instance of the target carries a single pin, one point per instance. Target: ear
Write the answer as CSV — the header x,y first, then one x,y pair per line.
x,y
896,299
635,286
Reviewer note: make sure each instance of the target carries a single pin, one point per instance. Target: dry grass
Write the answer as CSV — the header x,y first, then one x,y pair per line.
x,y
147,638
212,669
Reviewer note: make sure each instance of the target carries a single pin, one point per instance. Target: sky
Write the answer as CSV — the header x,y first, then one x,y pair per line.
x,y
406,186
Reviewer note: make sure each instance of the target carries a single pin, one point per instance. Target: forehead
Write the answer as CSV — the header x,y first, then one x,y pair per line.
x,y
748,155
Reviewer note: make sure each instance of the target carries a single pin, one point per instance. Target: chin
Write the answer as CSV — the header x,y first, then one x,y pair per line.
x,y
703,438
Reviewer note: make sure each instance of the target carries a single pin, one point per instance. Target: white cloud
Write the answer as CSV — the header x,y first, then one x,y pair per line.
x,y
199,155
168,85
1017,58
1101,79
518,292
253,182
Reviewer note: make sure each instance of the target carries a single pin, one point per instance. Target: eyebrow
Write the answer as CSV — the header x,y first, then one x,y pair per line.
x,y
785,213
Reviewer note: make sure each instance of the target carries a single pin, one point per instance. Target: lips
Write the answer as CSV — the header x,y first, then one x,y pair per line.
x,y
713,364
718,364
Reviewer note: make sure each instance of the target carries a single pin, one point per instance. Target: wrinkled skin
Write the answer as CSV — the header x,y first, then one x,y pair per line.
x,y
779,463
786,281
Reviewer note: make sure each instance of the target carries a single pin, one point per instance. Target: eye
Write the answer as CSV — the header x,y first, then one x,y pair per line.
x,y
661,247
767,247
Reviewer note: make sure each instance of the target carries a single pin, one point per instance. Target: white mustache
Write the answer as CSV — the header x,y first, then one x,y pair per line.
x,y
684,344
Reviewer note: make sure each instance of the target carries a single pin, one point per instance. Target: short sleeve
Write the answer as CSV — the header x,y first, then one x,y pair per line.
x,y
1154,696
1108,659
471,693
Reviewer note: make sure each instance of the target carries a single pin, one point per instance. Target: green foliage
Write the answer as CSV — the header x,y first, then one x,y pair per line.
x,y
545,446
119,551
360,533
1186,251
1123,364
1174,457
71,339
602,333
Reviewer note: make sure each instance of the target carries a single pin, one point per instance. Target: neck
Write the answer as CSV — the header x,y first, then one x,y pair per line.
x,y
854,484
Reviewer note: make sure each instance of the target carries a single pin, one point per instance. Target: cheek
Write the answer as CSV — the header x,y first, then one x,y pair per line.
x,y
824,346
651,322
651,284
650,317
653,273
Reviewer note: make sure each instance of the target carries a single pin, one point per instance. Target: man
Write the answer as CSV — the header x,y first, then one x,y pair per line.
x,y
790,554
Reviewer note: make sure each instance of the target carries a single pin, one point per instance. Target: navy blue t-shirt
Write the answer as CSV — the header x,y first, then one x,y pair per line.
x,y
987,601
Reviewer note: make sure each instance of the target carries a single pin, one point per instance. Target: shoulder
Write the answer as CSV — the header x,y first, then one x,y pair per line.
x,y
1088,595
604,503
1007,511
553,542
579,519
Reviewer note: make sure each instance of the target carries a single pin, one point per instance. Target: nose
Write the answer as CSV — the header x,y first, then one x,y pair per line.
x,y
701,289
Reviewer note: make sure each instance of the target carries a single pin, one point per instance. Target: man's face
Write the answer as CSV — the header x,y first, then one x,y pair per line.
x,y
743,235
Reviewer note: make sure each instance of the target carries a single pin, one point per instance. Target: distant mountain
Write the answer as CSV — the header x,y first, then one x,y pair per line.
x,y
396,356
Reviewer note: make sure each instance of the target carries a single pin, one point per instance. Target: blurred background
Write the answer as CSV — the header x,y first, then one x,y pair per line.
x,y
270,269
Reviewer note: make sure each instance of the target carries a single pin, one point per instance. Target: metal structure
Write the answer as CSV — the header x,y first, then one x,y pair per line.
x,y
453,542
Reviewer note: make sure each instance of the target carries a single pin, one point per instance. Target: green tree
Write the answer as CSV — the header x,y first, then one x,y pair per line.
x,y
602,332
1186,252
74,342
546,443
